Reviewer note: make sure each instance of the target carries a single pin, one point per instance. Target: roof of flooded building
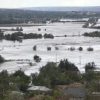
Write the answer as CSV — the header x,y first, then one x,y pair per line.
x,y
75,90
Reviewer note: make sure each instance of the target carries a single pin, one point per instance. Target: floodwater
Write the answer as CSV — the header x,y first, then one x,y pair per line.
x,y
22,53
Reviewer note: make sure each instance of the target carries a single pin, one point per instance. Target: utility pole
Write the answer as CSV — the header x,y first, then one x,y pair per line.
x,y
80,60
56,57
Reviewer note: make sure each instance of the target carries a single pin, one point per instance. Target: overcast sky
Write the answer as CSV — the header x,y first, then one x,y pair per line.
x,y
43,3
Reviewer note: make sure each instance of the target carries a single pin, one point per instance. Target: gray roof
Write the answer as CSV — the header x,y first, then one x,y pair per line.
x,y
75,91
38,88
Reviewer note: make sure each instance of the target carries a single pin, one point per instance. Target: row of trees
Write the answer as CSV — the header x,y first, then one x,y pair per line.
x,y
92,34
17,36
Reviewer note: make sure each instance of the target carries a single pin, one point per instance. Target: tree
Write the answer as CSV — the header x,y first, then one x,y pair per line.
x,y
80,49
1,35
51,75
37,58
90,67
20,80
4,84
50,72
35,48
48,36
89,74
48,48
1,59
65,65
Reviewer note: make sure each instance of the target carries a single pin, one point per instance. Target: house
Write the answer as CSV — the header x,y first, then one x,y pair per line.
x,y
74,91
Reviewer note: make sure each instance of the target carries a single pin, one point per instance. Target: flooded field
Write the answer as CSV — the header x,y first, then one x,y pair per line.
x,y
21,54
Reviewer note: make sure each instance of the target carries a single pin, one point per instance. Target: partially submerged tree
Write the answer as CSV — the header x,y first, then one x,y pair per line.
x,y
37,58
48,36
1,59
35,48
80,49
48,48
90,67
90,49
71,48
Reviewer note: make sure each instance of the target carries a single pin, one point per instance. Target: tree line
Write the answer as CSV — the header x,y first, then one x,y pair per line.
x,y
50,75
19,36
92,34
15,16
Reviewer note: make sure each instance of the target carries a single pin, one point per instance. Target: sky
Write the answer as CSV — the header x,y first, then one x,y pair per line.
x,y
48,3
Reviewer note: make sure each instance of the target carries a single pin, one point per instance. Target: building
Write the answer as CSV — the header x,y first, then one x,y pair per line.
x,y
39,89
74,91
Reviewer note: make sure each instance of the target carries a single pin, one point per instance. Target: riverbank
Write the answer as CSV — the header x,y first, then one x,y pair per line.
x,y
22,25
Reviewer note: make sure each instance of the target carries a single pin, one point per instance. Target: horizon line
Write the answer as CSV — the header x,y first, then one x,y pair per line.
x,y
47,7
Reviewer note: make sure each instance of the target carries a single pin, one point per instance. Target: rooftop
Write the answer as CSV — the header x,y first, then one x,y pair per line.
x,y
38,88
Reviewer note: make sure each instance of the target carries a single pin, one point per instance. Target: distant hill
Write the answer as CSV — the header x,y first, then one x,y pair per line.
x,y
93,9
43,14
